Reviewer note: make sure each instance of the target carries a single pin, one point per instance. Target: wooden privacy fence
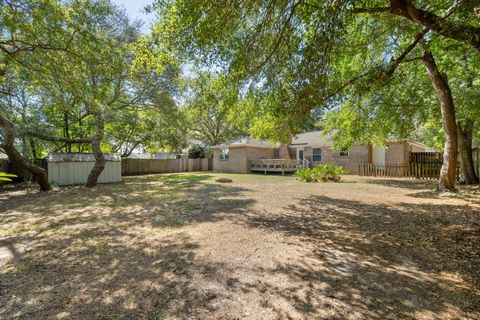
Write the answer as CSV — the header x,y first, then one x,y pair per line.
x,y
421,157
421,170
423,165
22,174
132,167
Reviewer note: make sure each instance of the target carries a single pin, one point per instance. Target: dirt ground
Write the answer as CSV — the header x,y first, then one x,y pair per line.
x,y
181,246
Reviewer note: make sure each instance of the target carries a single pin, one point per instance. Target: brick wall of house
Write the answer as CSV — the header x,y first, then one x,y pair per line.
x,y
396,153
308,153
260,153
358,154
237,162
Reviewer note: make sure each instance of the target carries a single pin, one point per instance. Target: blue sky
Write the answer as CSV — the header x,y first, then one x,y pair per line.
x,y
134,9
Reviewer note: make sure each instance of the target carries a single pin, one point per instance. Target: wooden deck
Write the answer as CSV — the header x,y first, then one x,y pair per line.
x,y
274,165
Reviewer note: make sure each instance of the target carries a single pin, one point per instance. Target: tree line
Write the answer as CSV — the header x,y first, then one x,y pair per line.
x,y
363,70
71,82
79,76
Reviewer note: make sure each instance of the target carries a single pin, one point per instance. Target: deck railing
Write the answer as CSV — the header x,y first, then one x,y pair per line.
x,y
273,165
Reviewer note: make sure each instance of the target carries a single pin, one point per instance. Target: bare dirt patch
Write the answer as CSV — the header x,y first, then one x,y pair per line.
x,y
181,246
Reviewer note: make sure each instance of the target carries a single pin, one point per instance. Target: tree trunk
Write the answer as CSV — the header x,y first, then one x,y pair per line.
x,y
66,131
97,151
284,151
14,156
447,108
33,148
465,151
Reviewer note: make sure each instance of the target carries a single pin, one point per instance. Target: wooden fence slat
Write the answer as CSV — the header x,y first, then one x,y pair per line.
x,y
422,170
149,166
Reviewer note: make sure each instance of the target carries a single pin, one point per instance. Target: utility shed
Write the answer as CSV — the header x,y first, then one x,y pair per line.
x,y
73,168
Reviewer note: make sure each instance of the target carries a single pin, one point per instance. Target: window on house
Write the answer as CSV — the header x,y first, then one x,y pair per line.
x,y
344,153
224,154
317,154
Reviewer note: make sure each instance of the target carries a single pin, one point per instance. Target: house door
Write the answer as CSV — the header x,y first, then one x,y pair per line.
x,y
300,155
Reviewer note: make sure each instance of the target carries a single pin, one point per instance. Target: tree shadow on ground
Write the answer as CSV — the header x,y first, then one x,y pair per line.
x,y
162,200
120,251
470,194
116,251
107,280
374,261
411,184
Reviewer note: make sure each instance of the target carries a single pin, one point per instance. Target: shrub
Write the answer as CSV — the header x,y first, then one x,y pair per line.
x,y
306,175
322,172
196,152
329,172
6,177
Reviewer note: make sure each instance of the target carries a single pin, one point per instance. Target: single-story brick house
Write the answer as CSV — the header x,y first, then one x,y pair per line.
x,y
311,148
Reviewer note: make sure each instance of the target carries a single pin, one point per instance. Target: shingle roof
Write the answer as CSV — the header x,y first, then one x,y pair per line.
x,y
312,138
244,142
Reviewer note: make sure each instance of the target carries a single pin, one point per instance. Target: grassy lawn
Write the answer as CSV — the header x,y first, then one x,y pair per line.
x,y
181,246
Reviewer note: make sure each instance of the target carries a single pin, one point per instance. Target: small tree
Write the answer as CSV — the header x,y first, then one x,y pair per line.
x,y
197,152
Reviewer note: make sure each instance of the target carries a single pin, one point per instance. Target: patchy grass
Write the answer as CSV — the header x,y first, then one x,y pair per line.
x,y
181,246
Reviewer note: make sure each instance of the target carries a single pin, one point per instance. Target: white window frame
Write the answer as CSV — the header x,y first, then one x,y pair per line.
x,y
224,154
318,154
344,153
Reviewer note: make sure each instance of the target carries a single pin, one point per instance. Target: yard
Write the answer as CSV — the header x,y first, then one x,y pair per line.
x,y
263,247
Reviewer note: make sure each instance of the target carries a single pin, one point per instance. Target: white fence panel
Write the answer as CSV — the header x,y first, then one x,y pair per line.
x,y
71,169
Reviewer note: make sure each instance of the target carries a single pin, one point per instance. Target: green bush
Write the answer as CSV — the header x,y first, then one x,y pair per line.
x,y
329,172
197,152
6,177
306,175
322,172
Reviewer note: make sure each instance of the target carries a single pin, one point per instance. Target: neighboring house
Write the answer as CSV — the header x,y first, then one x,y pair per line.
x,y
136,155
164,155
311,148
158,155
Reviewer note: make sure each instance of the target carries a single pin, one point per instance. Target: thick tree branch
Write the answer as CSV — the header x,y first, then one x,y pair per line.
x,y
404,8
371,10
8,139
46,137
396,62
280,38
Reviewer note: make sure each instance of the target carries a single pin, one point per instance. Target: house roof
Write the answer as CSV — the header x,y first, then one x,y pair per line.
x,y
244,142
319,139
312,138
415,142
138,155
